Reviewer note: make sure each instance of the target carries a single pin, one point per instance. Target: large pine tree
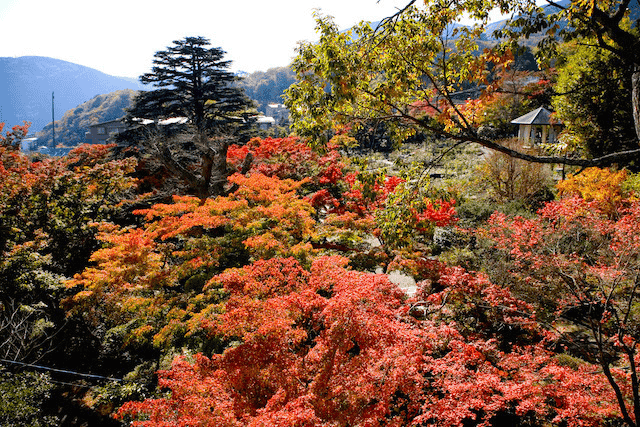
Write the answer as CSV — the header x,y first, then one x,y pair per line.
x,y
192,81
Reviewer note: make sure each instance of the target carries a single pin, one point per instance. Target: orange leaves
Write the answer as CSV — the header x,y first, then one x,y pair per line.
x,y
277,220
266,210
120,284
143,272
603,186
303,356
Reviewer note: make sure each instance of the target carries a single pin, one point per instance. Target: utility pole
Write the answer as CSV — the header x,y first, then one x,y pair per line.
x,y
53,119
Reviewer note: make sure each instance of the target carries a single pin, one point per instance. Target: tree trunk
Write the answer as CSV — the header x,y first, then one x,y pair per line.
x,y
635,98
219,171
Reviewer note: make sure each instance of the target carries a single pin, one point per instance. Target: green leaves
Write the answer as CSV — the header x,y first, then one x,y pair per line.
x,y
591,84
419,56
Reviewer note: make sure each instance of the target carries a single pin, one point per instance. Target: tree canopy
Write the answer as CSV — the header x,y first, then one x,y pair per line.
x,y
274,301
413,69
192,82
593,99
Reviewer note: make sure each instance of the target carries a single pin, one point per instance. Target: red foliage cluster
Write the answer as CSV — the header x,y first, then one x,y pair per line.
x,y
13,137
281,157
442,215
579,263
329,346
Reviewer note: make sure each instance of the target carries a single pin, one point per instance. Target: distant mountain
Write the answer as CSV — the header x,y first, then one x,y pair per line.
x,y
71,128
28,81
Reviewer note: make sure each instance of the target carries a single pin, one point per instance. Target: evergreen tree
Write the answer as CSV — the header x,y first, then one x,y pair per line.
x,y
192,81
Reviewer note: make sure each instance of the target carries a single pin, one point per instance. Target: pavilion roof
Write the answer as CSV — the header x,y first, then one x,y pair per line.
x,y
539,116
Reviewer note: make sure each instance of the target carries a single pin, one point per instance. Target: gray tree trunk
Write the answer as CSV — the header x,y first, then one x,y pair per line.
x,y
635,99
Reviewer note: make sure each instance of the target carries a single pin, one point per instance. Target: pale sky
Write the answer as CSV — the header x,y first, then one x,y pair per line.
x,y
120,37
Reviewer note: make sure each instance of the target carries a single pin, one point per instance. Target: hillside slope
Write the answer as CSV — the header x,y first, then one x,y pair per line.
x,y
70,129
267,87
28,82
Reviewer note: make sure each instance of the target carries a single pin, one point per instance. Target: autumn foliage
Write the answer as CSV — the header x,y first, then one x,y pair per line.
x,y
321,344
265,301
576,261
329,346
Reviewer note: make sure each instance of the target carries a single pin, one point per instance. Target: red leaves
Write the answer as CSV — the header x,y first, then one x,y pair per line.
x,y
198,398
265,278
329,346
279,157
12,138
577,262
331,175
442,215
303,356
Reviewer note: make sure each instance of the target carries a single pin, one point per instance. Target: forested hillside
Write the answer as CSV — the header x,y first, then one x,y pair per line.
x,y
71,128
29,81
268,86
263,87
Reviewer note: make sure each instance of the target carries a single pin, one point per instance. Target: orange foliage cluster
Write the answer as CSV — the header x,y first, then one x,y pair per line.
x,y
141,270
13,137
52,202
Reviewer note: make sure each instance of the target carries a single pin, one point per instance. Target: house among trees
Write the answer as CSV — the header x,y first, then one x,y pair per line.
x,y
537,126
29,144
278,111
265,122
100,132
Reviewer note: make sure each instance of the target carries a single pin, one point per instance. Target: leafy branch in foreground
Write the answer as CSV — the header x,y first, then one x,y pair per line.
x,y
409,71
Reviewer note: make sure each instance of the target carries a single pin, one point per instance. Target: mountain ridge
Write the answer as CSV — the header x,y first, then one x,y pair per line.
x,y
30,81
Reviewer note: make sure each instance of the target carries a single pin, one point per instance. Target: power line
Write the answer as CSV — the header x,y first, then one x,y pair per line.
x,y
61,371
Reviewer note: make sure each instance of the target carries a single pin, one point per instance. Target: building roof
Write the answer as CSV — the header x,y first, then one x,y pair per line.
x,y
263,119
107,122
163,122
539,116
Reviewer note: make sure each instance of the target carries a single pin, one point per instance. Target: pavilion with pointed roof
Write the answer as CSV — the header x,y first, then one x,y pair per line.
x,y
537,123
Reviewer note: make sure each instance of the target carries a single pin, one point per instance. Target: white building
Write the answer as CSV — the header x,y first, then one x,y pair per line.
x,y
537,126
279,112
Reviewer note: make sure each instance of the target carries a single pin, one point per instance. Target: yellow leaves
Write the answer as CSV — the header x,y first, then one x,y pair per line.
x,y
603,186
500,58
586,5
